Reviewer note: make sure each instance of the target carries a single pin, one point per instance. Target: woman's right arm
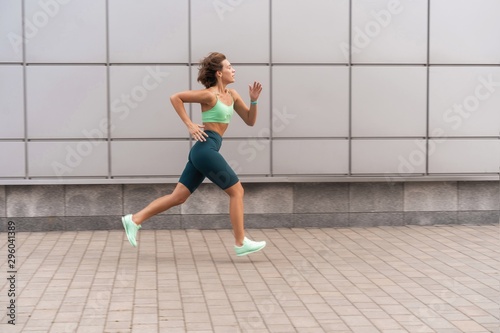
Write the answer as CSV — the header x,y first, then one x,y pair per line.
x,y
191,96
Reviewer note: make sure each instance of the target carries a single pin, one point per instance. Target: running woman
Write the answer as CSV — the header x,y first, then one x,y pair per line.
x,y
218,104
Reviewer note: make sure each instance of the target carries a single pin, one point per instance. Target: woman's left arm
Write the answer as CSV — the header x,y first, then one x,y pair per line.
x,y
248,114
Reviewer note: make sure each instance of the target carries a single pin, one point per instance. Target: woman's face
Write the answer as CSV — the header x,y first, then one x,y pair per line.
x,y
227,72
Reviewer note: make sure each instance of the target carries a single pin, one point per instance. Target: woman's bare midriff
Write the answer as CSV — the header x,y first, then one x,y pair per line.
x,y
216,127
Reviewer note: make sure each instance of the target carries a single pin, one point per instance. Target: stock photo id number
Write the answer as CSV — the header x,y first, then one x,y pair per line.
x,y
11,272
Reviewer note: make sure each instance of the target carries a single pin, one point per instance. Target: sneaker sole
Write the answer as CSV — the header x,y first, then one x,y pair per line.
x,y
249,252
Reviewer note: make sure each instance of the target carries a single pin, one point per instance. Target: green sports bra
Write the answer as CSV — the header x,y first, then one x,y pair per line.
x,y
220,113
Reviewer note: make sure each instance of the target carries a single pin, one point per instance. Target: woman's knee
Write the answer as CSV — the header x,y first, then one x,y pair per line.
x,y
179,199
180,194
236,190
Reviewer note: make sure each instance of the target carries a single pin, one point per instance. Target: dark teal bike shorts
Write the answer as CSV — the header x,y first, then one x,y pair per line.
x,y
205,161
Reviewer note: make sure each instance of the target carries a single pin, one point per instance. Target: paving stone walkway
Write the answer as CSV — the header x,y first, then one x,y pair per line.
x,y
384,279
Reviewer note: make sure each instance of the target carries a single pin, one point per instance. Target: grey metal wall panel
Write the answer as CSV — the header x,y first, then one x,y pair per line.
x,y
389,101
11,30
66,31
140,103
468,34
311,31
67,159
389,31
311,101
464,101
12,161
148,31
464,156
66,101
249,156
310,157
148,158
395,157
238,28
11,102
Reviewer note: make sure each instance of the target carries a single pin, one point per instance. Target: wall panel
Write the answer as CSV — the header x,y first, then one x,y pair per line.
x,y
237,28
249,156
12,163
150,158
383,156
389,31
148,31
464,32
65,31
389,101
308,22
11,31
140,101
464,101
309,157
464,156
62,159
11,102
66,101
311,101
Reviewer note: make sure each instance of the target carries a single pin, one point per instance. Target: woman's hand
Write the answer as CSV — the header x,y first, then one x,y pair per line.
x,y
197,132
254,90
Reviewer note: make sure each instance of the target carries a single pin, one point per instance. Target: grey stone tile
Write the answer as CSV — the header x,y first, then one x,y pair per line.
x,y
479,217
207,199
430,218
478,196
376,197
321,197
136,197
3,209
375,219
323,220
79,223
430,196
163,222
266,221
266,199
205,222
93,200
35,201
4,224
38,224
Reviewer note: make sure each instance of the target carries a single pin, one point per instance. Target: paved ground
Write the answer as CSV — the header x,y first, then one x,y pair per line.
x,y
385,279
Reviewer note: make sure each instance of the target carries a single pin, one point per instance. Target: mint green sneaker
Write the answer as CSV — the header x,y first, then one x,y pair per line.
x,y
130,229
249,246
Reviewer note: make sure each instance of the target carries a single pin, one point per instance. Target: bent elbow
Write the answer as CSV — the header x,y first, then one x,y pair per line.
x,y
174,99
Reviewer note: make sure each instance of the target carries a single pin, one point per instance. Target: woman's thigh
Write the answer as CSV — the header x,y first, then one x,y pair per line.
x,y
213,166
